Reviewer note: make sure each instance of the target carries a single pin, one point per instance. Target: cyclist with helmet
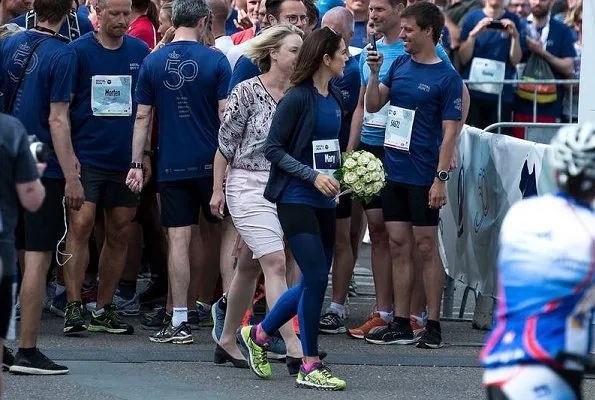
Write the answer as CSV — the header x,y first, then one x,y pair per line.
x,y
540,344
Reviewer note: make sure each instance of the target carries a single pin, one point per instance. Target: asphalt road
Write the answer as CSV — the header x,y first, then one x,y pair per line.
x,y
106,367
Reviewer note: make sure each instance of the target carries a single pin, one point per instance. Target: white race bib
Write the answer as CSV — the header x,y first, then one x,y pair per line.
x,y
326,155
399,127
377,119
111,95
482,70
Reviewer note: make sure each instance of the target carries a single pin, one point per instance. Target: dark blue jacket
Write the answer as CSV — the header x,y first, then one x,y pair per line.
x,y
292,130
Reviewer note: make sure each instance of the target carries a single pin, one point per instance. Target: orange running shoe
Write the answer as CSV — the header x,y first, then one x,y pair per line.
x,y
418,325
247,318
373,323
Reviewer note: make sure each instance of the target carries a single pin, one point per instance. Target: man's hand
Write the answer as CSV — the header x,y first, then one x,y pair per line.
x,y
243,21
74,193
510,28
536,46
327,185
217,203
374,61
437,195
134,180
481,27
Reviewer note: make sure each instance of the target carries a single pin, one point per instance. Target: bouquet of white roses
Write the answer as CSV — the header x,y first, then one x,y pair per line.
x,y
362,175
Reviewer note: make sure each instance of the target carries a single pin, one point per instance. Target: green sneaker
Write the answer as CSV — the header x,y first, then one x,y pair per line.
x,y
109,321
254,353
320,377
74,322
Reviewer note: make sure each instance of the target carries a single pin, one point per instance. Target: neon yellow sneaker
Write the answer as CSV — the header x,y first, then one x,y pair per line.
x,y
320,377
254,353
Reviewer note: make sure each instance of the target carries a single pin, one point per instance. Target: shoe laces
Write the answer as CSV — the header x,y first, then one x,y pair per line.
x,y
261,355
112,314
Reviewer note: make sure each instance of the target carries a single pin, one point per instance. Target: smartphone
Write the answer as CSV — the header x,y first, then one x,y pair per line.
x,y
372,42
496,25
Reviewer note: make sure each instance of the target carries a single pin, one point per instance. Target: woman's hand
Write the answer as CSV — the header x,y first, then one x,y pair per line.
x,y
327,185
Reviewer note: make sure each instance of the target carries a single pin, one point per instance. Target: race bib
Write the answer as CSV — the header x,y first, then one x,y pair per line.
x,y
399,127
377,119
111,95
485,70
326,156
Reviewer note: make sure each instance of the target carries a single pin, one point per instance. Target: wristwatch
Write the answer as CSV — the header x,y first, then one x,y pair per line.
x,y
443,175
136,165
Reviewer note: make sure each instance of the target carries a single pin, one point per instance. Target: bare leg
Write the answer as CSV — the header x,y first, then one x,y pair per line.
x,y
210,235
229,237
77,243
179,265
401,242
381,260
32,295
344,262
433,273
113,254
418,296
134,253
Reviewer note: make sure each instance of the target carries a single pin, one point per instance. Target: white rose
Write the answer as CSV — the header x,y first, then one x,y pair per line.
x,y
376,176
361,171
355,155
377,186
370,190
372,166
350,163
363,160
368,178
358,187
350,178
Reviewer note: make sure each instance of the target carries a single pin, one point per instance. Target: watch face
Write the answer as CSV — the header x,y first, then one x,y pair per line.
x,y
443,175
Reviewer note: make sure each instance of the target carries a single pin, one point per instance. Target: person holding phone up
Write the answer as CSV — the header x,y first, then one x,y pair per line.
x,y
490,49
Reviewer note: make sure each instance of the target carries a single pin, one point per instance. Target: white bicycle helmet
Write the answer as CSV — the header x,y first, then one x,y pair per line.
x,y
573,154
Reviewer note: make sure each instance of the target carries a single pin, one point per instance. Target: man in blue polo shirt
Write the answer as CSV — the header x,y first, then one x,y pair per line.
x,y
186,83
40,99
424,98
102,119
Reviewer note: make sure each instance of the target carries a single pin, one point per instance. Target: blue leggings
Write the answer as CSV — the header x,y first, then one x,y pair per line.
x,y
311,235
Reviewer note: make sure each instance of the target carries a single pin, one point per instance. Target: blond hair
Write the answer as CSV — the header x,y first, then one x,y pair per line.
x,y
9,30
259,49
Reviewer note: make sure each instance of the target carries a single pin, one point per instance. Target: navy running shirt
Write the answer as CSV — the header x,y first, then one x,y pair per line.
x,y
328,126
82,16
104,141
360,34
434,91
349,86
184,81
48,80
244,70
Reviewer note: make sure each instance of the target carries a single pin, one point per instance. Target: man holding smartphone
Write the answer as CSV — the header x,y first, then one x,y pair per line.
x,y
490,49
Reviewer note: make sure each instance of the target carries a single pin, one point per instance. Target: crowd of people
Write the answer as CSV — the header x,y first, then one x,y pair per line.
x,y
200,138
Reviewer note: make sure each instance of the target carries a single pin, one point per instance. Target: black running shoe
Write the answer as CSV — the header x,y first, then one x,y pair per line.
x,y
394,333
7,358
178,335
74,322
109,321
332,323
36,364
430,339
155,321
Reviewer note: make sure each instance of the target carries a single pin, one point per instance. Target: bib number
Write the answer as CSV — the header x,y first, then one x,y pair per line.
x,y
326,156
485,70
377,119
399,127
111,95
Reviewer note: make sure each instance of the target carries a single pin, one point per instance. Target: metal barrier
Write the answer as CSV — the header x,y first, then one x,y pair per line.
x,y
568,82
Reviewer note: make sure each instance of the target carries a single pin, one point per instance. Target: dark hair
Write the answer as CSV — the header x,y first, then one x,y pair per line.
x,y
426,15
312,12
317,44
149,9
273,7
187,13
395,3
52,11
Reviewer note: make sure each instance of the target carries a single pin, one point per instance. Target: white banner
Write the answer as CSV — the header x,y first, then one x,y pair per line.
x,y
494,172
586,105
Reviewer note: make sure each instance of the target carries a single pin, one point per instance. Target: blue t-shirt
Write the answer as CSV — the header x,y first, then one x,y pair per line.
x,y
100,141
230,27
328,125
49,80
360,35
85,26
244,70
349,87
434,91
184,81
492,45
560,43
371,135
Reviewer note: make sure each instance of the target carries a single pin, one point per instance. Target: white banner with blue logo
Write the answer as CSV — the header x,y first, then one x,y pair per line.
x,y
494,171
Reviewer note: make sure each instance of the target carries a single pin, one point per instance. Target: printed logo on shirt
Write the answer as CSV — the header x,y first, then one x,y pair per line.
x,y
179,72
174,55
424,87
20,58
458,104
134,66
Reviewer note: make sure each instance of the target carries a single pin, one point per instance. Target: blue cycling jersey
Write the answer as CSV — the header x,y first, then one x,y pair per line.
x,y
546,293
